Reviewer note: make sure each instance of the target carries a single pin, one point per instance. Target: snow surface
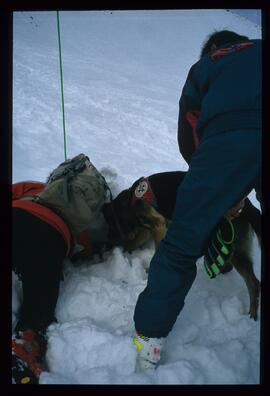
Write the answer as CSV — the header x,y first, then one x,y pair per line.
x,y
123,76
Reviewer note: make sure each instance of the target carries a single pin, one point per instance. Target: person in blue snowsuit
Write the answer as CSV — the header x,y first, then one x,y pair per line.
x,y
219,135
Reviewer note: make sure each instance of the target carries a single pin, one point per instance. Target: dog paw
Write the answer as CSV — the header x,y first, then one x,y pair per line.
x,y
253,310
253,315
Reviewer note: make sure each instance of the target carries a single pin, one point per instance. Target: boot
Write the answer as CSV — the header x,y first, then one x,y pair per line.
x,y
28,349
148,351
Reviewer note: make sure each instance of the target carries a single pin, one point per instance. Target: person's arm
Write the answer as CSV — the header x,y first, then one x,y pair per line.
x,y
26,188
84,239
189,108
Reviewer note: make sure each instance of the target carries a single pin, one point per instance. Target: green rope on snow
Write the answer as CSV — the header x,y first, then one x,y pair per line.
x,y
62,85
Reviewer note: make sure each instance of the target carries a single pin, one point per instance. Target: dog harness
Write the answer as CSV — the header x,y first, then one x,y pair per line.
x,y
143,191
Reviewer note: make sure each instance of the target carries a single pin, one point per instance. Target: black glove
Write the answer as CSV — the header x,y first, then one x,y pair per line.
x,y
220,248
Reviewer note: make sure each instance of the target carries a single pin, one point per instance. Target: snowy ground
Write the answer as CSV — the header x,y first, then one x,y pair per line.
x,y
123,75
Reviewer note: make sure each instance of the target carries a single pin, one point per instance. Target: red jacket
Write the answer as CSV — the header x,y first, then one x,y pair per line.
x,y
29,188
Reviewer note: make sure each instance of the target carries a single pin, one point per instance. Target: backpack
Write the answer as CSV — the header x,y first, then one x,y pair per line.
x,y
76,191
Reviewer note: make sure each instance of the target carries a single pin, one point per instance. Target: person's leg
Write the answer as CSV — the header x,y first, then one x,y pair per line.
x,y
38,253
223,170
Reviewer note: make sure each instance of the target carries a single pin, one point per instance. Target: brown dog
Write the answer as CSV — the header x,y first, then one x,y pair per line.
x,y
144,210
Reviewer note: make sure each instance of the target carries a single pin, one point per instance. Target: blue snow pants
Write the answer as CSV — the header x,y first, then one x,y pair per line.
x,y
224,168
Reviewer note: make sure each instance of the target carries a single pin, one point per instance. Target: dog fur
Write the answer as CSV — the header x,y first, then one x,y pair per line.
x,y
132,223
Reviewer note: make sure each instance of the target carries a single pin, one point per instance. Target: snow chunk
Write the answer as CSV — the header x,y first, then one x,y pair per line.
x,y
232,307
182,372
85,346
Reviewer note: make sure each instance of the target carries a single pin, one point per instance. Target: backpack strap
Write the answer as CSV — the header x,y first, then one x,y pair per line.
x,y
47,215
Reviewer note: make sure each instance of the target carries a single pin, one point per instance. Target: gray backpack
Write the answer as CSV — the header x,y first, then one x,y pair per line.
x,y
76,191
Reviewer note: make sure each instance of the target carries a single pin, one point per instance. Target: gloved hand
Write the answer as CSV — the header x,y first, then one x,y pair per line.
x,y
220,248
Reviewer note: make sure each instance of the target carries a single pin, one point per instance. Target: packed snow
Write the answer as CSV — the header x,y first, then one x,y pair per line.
x,y
123,75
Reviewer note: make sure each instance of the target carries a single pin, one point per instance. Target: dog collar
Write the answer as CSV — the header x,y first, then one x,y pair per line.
x,y
143,191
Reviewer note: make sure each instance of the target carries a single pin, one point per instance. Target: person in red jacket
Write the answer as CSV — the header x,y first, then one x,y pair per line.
x,y
40,240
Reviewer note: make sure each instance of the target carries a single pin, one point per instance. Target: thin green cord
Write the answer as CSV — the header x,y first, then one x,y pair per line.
x,y
62,86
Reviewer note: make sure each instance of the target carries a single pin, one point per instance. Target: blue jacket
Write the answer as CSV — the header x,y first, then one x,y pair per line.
x,y
222,92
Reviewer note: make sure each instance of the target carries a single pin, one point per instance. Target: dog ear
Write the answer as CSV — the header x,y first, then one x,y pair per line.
x,y
118,205
119,214
106,210
122,201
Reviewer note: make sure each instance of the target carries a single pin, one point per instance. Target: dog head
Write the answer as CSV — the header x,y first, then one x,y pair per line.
x,y
124,218
120,217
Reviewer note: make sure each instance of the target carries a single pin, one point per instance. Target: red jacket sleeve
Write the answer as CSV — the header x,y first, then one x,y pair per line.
x,y
84,239
185,138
